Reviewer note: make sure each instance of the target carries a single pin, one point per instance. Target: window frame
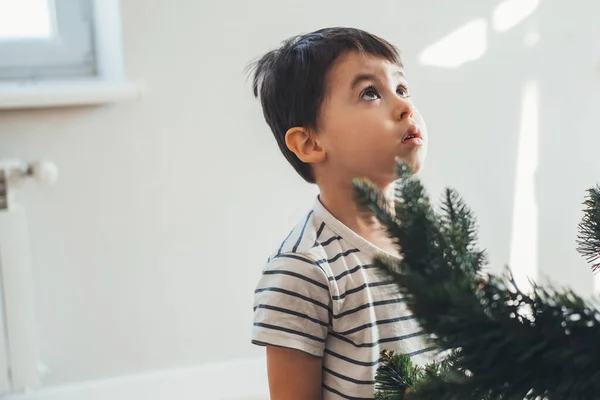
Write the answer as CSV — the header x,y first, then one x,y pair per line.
x,y
108,85
69,53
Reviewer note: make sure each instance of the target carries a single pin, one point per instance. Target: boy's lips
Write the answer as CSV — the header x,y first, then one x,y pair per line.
x,y
413,136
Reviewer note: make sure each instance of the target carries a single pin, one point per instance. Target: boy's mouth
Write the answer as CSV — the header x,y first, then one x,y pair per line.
x,y
413,136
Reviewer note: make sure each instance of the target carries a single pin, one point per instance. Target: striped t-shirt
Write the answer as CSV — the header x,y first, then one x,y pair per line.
x,y
319,293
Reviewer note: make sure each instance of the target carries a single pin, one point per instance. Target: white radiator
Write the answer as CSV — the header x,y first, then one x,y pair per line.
x,y
20,366
19,345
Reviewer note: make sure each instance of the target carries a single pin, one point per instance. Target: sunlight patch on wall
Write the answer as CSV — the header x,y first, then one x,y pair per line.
x,y
531,39
524,238
510,13
467,43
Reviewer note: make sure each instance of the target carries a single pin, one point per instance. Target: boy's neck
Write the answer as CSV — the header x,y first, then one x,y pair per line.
x,y
340,201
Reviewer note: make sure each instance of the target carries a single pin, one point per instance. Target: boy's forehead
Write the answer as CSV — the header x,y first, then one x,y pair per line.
x,y
352,64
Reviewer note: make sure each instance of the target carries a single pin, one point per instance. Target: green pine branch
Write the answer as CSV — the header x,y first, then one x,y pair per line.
x,y
510,344
589,229
396,376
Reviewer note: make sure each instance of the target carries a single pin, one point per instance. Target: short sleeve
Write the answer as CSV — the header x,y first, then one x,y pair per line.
x,y
292,305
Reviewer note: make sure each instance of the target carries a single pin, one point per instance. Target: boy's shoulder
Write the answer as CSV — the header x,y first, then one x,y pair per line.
x,y
319,242
304,236
300,250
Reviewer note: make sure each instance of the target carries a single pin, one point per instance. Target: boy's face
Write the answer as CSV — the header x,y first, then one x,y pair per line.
x,y
367,120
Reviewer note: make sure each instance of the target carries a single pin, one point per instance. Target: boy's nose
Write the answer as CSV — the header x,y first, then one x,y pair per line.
x,y
404,109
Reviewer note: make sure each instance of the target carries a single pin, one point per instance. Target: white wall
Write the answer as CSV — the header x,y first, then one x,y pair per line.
x,y
147,252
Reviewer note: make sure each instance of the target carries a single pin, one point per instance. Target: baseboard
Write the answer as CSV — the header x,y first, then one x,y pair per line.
x,y
235,380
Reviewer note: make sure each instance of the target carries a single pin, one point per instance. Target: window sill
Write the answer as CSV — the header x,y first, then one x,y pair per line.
x,y
66,94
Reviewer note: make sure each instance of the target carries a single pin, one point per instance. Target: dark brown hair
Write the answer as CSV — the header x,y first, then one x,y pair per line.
x,y
290,81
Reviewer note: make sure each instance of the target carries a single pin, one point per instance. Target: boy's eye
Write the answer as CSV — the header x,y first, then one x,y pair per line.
x,y
369,94
403,91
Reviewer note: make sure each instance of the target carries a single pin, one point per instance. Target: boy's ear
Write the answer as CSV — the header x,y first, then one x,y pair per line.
x,y
304,144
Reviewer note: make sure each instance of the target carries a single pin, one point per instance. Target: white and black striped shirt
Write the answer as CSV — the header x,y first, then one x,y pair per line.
x,y
319,293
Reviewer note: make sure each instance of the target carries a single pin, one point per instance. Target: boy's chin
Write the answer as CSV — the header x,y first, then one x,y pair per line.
x,y
415,163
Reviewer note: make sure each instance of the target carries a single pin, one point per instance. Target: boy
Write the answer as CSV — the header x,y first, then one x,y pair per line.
x,y
338,104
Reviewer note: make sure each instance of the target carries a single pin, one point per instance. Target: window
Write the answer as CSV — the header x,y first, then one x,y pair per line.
x,y
56,53
41,39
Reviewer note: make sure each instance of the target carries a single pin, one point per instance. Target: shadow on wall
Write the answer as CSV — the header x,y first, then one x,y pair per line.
x,y
529,149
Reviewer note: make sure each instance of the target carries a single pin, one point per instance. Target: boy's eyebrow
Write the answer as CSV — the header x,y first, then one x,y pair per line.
x,y
358,79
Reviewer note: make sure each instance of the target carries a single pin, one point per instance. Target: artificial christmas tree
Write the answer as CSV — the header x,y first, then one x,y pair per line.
x,y
498,342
